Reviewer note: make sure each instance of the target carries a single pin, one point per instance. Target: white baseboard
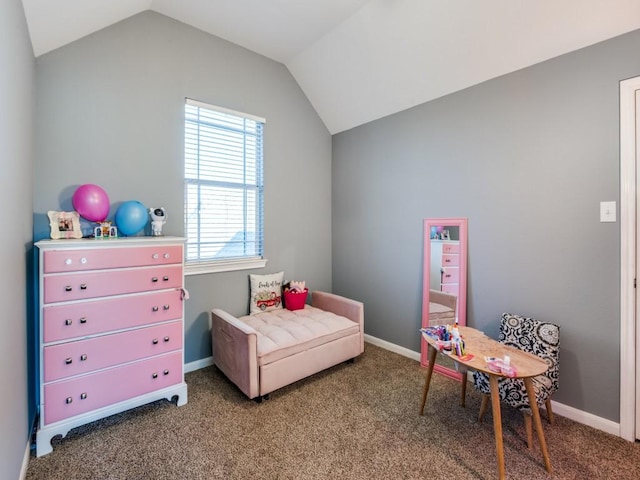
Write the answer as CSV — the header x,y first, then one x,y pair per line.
x,y
586,418
198,364
25,462
405,352
571,413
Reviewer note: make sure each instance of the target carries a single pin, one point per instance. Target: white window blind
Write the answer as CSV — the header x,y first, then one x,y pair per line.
x,y
223,176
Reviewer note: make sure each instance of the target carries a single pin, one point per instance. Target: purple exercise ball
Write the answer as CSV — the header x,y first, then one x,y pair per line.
x,y
91,202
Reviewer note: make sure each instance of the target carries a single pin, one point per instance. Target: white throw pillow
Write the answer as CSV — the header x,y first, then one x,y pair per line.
x,y
266,292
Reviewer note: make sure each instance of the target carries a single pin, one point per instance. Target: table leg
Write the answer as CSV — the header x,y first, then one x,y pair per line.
x,y
497,424
528,383
427,381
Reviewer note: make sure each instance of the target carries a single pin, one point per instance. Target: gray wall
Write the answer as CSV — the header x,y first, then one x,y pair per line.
x,y
110,111
527,158
17,93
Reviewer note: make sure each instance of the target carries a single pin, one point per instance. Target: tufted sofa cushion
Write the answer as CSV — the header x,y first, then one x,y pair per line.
x,y
282,333
441,314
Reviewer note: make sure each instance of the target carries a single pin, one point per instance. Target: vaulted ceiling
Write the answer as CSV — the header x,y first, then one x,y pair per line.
x,y
359,60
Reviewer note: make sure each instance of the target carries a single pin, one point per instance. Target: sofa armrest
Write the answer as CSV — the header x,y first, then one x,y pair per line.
x,y
346,307
235,351
443,298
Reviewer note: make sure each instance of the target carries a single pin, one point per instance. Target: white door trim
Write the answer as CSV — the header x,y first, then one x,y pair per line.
x,y
628,236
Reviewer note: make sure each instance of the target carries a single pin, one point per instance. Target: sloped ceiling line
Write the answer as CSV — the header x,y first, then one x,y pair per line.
x,y
359,60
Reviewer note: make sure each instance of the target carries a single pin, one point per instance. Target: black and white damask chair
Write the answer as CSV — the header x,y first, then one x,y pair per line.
x,y
539,338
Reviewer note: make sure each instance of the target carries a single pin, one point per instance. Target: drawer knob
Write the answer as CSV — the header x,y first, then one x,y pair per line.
x,y
165,278
166,307
68,288
155,256
83,396
68,400
154,375
166,339
154,341
154,279
83,286
68,261
166,372
83,320
83,260
83,357
68,361
166,255
68,321
155,308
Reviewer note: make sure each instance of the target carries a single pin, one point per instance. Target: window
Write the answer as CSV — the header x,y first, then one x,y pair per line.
x,y
223,188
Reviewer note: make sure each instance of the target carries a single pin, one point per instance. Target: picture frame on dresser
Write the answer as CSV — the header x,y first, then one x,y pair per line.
x,y
64,224
111,329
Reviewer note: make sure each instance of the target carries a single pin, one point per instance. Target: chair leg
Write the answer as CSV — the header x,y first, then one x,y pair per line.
x,y
483,407
528,429
547,404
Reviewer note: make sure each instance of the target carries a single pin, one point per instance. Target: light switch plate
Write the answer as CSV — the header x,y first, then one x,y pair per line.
x,y
607,211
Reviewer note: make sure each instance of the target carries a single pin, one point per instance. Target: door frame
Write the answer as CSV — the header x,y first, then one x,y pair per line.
x,y
628,239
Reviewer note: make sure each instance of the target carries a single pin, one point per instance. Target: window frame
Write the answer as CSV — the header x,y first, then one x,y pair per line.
x,y
198,267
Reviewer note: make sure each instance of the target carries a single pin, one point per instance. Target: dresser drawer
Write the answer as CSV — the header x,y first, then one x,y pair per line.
x,y
77,286
450,275
63,322
58,261
84,356
450,248
67,398
450,288
449,260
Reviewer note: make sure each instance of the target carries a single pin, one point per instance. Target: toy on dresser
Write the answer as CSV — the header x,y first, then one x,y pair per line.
x,y
158,219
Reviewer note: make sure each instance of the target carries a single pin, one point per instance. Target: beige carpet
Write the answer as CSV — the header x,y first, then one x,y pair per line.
x,y
354,421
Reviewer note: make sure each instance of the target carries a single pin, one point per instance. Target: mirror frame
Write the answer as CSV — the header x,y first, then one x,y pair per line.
x,y
461,310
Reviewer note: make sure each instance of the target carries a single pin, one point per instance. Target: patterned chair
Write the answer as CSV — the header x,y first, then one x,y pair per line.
x,y
533,336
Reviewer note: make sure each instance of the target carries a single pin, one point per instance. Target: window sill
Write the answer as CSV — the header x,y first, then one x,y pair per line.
x,y
224,266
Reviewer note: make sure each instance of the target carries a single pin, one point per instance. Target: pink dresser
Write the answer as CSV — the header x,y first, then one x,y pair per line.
x,y
445,265
450,267
111,329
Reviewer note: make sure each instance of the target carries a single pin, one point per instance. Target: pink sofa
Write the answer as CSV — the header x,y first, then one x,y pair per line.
x,y
266,351
442,308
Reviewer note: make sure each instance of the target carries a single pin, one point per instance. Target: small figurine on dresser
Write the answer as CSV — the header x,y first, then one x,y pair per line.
x,y
158,219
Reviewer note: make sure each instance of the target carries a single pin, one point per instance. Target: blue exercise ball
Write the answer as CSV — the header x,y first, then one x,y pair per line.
x,y
131,217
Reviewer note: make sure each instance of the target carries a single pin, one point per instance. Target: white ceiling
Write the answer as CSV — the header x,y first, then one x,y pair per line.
x,y
359,60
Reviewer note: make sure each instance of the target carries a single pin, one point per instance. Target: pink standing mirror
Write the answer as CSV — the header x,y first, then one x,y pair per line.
x,y
444,278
